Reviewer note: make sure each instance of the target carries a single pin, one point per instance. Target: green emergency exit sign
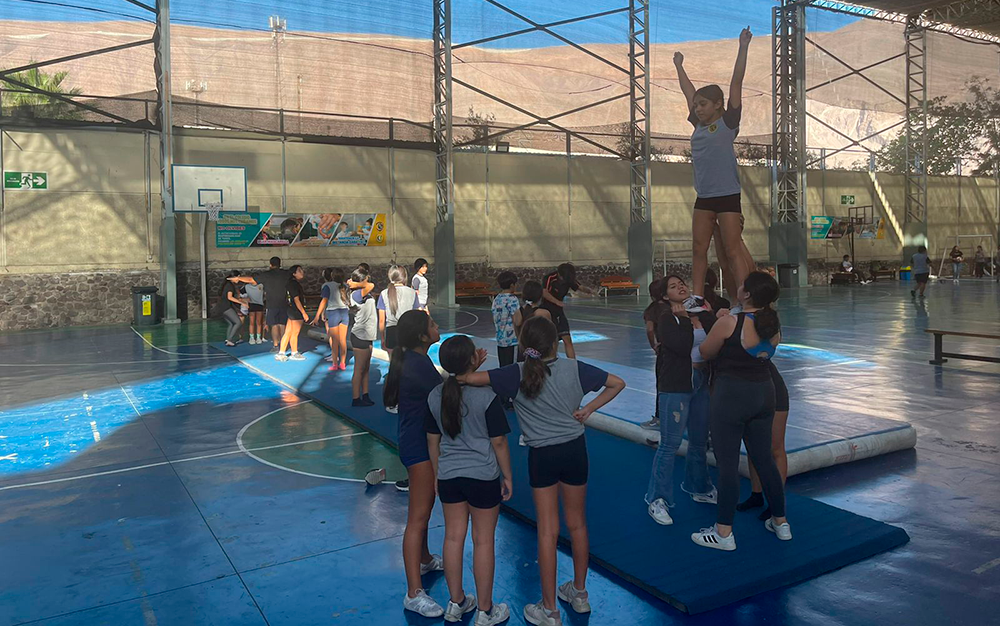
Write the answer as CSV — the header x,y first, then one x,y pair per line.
x,y
26,180
847,200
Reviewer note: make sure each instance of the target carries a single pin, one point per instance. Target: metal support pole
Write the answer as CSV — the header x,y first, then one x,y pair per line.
x,y
915,151
640,236
284,162
203,265
168,223
444,232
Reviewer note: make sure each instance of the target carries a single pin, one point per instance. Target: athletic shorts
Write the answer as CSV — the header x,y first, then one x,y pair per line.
x,y
480,494
921,278
360,344
256,308
561,463
294,314
276,316
780,390
336,317
561,322
391,338
723,204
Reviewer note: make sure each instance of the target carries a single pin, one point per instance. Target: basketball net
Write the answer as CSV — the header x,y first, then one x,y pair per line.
x,y
213,209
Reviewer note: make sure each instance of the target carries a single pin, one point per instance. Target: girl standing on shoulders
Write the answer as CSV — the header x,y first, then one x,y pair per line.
x,y
682,386
333,307
742,407
547,392
363,334
716,176
467,441
412,376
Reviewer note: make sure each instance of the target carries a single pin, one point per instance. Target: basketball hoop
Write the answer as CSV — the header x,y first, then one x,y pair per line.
x,y
213,209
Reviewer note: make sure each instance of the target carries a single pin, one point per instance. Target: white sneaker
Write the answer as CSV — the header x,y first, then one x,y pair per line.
x,y
783,531
455,612
434,565
375,476
538,615
392,409
652,424
710,538
329,359
497,615
579,600
712,497
296,357
520,441
281,357
422,604
660,512
694,304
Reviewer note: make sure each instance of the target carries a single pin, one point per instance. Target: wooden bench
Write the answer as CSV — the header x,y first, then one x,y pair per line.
x,y
842,278
618,283
884,272
940,354
475,290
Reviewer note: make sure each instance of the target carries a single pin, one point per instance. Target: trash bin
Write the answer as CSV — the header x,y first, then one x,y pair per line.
x,y
145,311
788,276
905,274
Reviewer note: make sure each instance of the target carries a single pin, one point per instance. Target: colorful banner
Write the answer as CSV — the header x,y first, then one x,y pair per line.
x,y
241,230
828,227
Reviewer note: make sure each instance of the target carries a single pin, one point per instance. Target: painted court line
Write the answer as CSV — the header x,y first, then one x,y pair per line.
x,y
187,354
242,450
982,569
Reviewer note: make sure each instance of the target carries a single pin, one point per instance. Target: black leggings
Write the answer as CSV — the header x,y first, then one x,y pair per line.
x,y
506,355
741,410
235,324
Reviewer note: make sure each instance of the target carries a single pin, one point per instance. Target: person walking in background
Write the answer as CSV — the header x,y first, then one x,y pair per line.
x,y
505,307
980,262
957,258
296,314
419,284
467,441
920,266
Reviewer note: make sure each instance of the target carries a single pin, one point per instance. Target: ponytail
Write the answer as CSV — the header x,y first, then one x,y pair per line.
x,y
412,329
538,336
327,274
397,274
457,354
763,291
337,276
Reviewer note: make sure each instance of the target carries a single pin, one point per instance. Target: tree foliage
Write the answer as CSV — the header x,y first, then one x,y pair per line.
x,y
623,144
478,128
20,102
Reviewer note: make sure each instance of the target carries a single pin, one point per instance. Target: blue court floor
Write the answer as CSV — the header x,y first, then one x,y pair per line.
x,y
146,478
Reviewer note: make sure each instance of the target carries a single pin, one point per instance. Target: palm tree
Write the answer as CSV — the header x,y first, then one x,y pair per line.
x,y
21,102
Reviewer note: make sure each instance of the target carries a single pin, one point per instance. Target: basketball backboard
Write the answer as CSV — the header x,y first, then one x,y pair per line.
x,y
197,186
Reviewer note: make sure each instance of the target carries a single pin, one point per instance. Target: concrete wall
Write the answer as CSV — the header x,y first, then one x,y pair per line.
x,y
512,210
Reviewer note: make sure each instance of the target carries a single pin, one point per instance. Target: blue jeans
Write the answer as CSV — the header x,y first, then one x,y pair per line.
x,y
680,411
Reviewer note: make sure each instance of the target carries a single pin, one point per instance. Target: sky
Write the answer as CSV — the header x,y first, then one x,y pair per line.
x,y
672,21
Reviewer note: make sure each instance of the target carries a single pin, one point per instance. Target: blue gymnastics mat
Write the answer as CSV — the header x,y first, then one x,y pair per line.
x,y
623,539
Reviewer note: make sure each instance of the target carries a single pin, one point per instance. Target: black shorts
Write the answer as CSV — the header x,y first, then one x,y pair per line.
x,y
276,316
360,344
561,321
921,278
561,463
781,402
391,338
255,308
723,204
480,494
295,315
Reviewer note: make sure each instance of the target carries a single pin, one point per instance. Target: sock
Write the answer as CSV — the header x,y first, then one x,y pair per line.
x,y
766,515
755,500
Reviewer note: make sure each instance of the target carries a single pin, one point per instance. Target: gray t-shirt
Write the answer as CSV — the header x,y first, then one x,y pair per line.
x,y
920,263
334,300
713,155
470,454
365,317
547,419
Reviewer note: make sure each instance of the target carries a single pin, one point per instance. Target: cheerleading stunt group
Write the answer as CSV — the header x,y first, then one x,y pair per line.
x,y
714,376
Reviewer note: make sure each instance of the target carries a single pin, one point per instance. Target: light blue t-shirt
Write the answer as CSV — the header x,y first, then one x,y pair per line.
x,y
920,264
714,157
504,307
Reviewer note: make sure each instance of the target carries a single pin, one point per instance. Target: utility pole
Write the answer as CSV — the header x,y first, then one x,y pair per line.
x,y
278,25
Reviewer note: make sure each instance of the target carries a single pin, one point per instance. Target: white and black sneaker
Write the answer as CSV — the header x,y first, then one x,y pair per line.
x,y
782,531
497,615
436,564
455,612
375,476
712,497
652,424
694,304
392,409
403,485
578,600
710,538
660,512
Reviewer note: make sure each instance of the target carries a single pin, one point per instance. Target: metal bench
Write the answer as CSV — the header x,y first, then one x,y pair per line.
x,y
940,354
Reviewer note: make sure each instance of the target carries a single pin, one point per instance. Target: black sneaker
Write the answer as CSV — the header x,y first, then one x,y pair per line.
x,y
694,304
402,485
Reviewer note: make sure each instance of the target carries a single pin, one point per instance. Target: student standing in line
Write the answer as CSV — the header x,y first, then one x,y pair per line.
x,y
742,407
504,308
228,308
363,334
467,441
333,306
650,316
297,316
716,175
547,392
275,284
255,306
419,285
396,300
556,287
957,258
920,266
412,376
